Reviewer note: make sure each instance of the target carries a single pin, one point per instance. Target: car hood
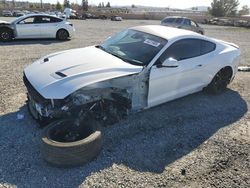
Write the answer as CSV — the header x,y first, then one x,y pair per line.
x,y
58,75
4,22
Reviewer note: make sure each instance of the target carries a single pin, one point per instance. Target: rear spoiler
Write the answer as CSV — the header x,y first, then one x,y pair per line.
x,y
232,44
228,43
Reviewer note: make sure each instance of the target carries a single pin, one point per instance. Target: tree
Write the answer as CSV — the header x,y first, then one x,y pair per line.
x,y
41,2
66,4
244,10
85,5
4,3
133,6
216,8
58,6
102,4
221,8
108,4
31,6
99,5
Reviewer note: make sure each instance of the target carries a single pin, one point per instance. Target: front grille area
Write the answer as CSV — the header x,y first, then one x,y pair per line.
x,y
33,92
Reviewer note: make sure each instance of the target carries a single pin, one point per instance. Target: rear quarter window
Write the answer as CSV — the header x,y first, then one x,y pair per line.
x,y
53,20
207,47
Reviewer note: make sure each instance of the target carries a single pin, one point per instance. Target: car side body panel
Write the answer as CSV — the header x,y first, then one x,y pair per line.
x,y
39,30
192,75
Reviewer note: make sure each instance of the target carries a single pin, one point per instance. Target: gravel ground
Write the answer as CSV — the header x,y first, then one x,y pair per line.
x,y
196,141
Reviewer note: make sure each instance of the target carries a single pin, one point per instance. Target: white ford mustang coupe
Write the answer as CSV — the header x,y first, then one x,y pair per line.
x,y
135,69
36,26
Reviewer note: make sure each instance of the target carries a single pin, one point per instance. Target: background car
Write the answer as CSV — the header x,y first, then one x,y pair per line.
x,y
7,13
36,26
16,13
116,18
103,17
19,14
182,23
136,69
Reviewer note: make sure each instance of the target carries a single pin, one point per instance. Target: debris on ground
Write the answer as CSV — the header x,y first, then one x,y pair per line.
x,y
244,68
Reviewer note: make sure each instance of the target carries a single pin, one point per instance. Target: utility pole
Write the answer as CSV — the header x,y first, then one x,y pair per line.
x,y
41,3
13,3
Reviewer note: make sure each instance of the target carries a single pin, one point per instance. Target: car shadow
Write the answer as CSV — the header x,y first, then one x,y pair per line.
x,y
32,41
146,142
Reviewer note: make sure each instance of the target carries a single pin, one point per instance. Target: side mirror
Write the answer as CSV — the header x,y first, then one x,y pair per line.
x,y
169,63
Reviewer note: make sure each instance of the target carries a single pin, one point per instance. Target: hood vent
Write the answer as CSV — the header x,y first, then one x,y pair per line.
x,y
61,74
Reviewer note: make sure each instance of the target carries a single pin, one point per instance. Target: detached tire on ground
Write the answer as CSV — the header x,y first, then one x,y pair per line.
x,y
64,144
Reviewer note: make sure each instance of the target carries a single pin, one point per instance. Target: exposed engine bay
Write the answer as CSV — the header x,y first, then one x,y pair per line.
x,y
108,101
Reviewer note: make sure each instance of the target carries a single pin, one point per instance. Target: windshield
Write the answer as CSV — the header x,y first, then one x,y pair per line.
x,y
17,19
134,47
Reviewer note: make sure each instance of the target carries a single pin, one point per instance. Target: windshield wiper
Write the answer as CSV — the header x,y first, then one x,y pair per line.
x,y
101,47
130,61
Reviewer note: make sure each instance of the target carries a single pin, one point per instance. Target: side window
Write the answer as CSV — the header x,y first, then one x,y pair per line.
x,y
43,19
207,47
194,24
187,22
169,20
182,49
178,20
187,48
54,20
29,20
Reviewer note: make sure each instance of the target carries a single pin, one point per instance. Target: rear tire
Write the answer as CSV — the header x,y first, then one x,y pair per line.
x,y
6,35
62,34
220,81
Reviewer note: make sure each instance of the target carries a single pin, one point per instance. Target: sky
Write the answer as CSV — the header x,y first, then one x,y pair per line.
x,y
155,3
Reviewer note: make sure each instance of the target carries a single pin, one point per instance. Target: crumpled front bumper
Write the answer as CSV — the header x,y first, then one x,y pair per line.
x,y
38,105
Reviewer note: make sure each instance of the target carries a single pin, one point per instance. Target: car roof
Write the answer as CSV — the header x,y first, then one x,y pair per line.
x,y
165,32
176,17
31,15
40,14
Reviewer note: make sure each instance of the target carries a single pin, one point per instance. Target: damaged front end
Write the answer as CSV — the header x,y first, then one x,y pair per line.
x,y
108,101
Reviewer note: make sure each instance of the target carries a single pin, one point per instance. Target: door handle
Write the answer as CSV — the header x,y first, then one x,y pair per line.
x,y
200,65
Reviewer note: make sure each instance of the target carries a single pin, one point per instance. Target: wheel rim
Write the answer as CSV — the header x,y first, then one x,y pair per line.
x,y
63,35
5,35
221,81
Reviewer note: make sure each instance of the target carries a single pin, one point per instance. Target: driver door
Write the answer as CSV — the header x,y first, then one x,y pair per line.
x,y
186,77
28,28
